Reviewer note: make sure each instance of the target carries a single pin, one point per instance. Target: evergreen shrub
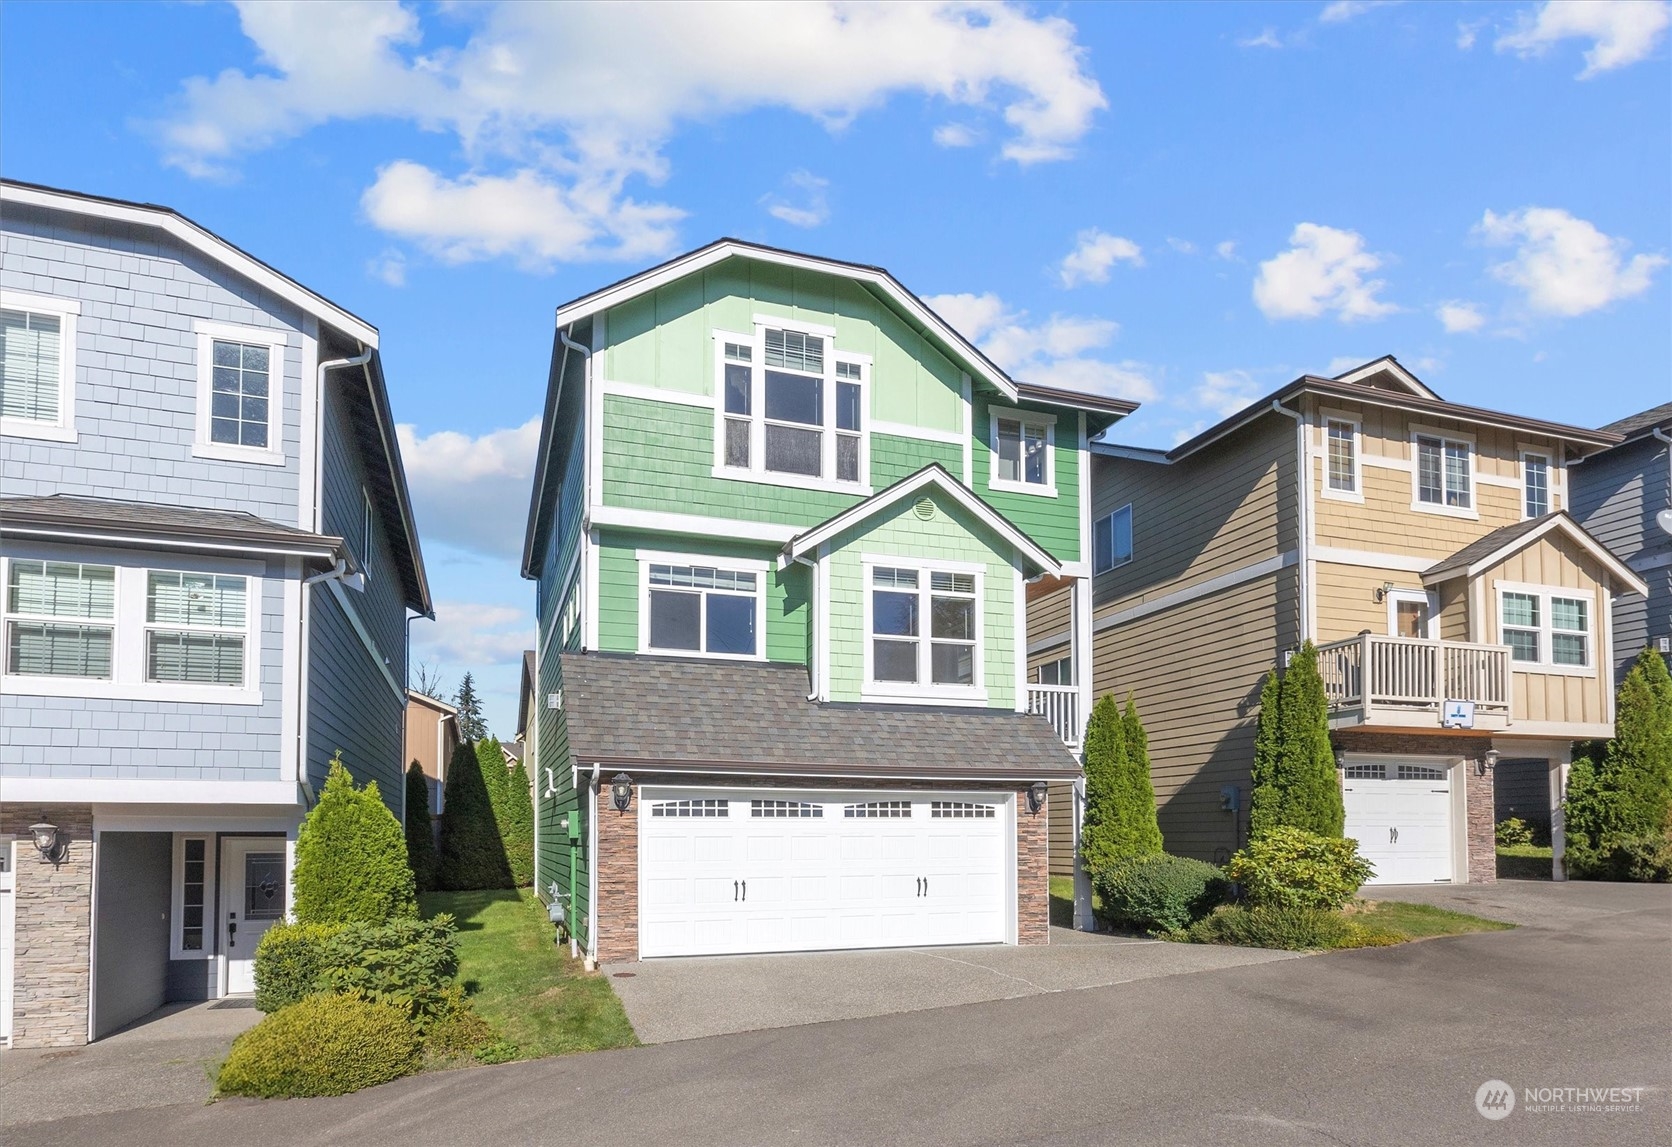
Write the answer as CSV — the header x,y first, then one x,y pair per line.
x,y
1161,893
351,857
1295,868
322,1045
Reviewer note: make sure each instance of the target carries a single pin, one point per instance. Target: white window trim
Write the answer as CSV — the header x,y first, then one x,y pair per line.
x,y
756,471
177,897
1109,518
1472,512
202,447
647,558
127,680
1047,422
1523,454
1546,647
872,690
1356,494
1418,596
67,311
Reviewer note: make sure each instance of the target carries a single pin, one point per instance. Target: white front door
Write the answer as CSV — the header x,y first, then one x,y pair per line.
x,y
1400,814
8,930
763,871
253,895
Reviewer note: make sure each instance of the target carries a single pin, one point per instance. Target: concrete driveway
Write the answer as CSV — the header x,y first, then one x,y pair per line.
x,y
693,997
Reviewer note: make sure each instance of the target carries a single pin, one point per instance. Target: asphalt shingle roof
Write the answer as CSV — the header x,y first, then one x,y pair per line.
x,y
1489,543
684,712
71,513
1643,420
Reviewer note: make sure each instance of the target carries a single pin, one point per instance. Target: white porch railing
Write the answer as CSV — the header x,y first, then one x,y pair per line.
x,y
1387,676
1060,705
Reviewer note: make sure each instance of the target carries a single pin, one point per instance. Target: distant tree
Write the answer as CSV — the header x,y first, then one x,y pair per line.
x,y
351,864
471,725
427,680
1294,778
420,835
472,852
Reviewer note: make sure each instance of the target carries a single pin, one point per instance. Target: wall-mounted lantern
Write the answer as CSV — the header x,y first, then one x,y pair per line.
x,y
49,842
1037,792
621,791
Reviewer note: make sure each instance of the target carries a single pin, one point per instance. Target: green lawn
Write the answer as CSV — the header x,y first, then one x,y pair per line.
x,y
1062,901
1420,921
522,983
1523,862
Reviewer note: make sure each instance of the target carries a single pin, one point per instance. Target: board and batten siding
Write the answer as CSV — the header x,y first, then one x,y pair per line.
x,y
1616,496
136,368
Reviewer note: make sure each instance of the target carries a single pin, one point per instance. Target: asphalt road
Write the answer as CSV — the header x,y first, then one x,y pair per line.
x,y
1382,1046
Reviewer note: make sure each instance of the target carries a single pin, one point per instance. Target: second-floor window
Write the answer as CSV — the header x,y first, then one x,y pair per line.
x,y
792,407
1343,456
1111,540
37,372
1443,472
194,628
60,619
1536,484
1022,460
240,383
702,609
1546,627
925,627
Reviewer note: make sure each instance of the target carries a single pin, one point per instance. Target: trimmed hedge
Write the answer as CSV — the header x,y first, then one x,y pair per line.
x,y
1290,867
1290,927
351,857
322,1045
1161,893
288,962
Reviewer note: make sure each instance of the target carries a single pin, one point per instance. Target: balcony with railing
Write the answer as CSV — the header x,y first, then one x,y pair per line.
x,y
1060,705
1407,682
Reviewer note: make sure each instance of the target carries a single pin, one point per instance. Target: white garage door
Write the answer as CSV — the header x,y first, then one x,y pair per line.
x,y
1400,814
777,871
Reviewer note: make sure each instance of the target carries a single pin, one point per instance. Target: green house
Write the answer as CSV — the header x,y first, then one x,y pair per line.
x,y
785,526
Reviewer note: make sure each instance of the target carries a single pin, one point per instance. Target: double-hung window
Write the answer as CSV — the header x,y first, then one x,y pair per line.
x,y
925,627
1111,538
1023,444
1444,472
37,371
792,408
239,394
702,609
1546,627
194,627
1341,456
60,619
1535,469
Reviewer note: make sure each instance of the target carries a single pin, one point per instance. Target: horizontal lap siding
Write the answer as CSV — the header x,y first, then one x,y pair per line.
x,y
1616,496
555,772
382,605
351,707
1050,615
1347,602
1061,846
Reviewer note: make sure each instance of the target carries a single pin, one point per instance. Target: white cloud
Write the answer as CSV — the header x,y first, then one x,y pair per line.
x,y
1342,363
813,207
556,107
468,492
1467,33
1621,32
1226,250
1095,252
1323,270
1564,264
1182,246
390,267
1459,317
472,636
1266,39
1051,353
956,135
1340,11
1224,392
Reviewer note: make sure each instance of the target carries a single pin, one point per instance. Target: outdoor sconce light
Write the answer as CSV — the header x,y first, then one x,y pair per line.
x,y
1036,796
1488,761
1340,758
1382,593
621,791
48,843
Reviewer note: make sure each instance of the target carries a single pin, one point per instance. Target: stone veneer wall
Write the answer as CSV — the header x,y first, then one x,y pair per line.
x,y
1477,788
616,916
51,964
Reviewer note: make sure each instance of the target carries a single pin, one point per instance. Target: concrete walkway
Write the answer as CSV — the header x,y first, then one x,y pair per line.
x,y
161,1060
693,997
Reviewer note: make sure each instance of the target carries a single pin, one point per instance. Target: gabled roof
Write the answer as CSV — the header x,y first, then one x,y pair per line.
x,y
932,476
752,718
1642,423
1387,367
428,702
120,522
1485,552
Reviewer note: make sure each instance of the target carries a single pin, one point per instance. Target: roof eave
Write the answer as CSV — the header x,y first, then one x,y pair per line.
x,y
824,770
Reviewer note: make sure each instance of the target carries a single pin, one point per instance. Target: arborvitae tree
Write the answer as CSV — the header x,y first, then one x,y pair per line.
x,y
1312,790
518,829
471,725
351,862
1101,839
1265,804
1139,792
472,853
1625,790
420,835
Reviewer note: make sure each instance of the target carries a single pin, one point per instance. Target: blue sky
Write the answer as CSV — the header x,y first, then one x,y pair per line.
x,y
1187,205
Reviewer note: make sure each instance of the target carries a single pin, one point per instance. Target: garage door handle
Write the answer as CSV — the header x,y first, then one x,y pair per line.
x,y
745,890
920,886
1393,836
925,886
734,890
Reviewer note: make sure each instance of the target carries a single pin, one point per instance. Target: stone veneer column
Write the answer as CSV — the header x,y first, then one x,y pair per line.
x,y
51,975
1033,872
1482,829
615,918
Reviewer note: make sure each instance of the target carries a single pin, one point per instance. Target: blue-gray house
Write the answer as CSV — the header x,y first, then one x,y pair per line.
x,y
1623,495
208,563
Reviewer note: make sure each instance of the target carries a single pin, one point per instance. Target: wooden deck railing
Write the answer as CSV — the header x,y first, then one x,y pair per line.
x,y
1370,672
1060,705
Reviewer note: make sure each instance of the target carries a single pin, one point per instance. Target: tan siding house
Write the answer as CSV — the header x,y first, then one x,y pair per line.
x,y
1461,615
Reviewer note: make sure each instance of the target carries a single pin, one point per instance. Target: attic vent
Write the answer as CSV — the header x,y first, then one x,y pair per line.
x,y
925,510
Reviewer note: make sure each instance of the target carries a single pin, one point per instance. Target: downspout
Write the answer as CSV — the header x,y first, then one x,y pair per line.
x,y
1304,489
592,873
813,608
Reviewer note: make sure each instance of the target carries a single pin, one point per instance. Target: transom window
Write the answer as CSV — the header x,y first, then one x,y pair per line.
x,y
1545,627
882,809
195,626
960,810
1443,472
1111,538
1420,773
1535,470
238,412
792,406
704,609
1022,452
706,807
1366,772
32,346
1342,456
60,619
775,808
905,650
